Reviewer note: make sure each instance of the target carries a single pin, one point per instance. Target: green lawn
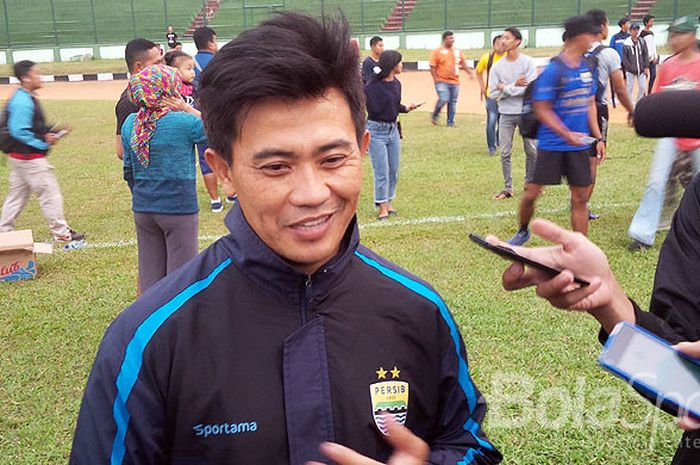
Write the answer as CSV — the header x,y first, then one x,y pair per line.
x,y
550,402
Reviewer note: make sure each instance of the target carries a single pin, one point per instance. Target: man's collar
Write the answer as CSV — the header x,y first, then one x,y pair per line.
x,y
265,267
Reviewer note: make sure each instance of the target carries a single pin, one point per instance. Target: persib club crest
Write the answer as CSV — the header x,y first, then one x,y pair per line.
x,y
389,397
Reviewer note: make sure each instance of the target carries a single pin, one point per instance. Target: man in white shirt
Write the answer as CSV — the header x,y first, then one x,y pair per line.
x,y
648,37
508,80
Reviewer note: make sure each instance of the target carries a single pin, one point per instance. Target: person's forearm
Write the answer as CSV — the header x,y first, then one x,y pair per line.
x,y
482,85
433,73
618,84
619,309
593,120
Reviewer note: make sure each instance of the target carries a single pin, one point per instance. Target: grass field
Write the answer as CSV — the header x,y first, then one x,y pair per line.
x,y
550,402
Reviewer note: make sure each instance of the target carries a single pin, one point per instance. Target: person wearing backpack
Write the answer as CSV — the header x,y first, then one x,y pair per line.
x,y
508,81
564,102
485,65
608,65
27,141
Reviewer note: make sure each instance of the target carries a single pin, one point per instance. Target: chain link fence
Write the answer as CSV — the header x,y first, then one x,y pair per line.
x,y
60,23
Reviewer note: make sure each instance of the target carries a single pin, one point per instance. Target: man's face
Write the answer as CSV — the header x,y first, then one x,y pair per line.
x,y
153,57
213,45
297,171
680,41
634,33
509,42
378,48
625,27
449,41
582,42
605,30
33,79
650,23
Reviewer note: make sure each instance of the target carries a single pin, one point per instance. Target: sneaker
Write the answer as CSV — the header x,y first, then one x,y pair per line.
x,y
231,199
592,216
492,153
433,121
216,206
636,246
520,238
71,236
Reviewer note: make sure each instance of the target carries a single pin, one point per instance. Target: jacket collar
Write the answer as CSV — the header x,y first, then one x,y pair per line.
x,y
257,261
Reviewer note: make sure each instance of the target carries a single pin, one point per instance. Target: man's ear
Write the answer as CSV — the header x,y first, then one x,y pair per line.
x,y
365,144
222,170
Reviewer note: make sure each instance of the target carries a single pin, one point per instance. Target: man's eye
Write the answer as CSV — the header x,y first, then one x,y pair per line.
x,y
334,160
275,167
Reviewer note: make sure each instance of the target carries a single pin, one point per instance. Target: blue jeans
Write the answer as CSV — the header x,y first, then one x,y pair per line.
x,y
447,94
646,220
385,152
491,124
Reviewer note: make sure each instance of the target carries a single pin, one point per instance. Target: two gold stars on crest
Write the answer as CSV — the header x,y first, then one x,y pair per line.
x,y
381,373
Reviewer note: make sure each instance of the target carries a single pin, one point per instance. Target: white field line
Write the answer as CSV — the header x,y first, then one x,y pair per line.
x,y
392,223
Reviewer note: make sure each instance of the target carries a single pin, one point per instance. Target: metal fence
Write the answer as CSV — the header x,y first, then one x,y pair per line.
x,y
54,23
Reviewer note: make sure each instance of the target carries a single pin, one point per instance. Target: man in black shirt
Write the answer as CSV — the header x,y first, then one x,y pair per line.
x,y
171,37
139,54
376,43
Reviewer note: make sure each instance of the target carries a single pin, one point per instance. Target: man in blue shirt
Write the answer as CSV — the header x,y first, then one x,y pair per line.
x,y
617,42
207,46
564,102
30,141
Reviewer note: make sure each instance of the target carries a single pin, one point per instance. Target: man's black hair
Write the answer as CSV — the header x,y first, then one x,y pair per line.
x,y
600,17
171,58
447,34
289,57
22,68
623,20
202,36
516,32
647,18
136,50
493,42
373,41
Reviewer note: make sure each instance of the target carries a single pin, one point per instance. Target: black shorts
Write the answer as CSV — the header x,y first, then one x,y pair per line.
x,y
551,166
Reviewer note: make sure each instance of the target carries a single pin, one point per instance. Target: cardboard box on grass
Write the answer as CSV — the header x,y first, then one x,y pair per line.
x,y
18,255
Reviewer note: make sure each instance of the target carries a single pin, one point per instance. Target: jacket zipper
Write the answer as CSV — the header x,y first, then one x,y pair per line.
x,y
305,290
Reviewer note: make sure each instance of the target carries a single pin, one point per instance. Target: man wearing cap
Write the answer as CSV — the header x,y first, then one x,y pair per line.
x,y
680,72
635,62
564,102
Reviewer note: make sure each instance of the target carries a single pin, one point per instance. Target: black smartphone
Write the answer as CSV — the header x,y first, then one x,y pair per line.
x,y
512,255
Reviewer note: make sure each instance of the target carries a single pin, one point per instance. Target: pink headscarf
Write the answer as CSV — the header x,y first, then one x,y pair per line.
x,y
147,89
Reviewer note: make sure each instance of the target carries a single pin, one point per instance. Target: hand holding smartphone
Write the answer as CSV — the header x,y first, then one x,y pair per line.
x,y
512,255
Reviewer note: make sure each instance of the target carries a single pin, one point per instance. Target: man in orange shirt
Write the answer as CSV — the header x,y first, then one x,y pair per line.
x,y
445,63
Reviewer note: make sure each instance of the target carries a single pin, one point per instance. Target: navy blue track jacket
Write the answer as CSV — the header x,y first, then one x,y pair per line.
x,y
236,358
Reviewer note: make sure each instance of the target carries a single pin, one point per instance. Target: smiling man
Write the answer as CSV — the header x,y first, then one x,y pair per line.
x,y
286,334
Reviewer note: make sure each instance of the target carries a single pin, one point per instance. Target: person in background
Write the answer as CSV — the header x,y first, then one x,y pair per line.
x,y
445,63
207,46
650,40
30,173
485,63
508,81
370,64
635,62
159,166
564,102
184,64
178,46
383,94
139,54
617,41
171,38
680,72
609,72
